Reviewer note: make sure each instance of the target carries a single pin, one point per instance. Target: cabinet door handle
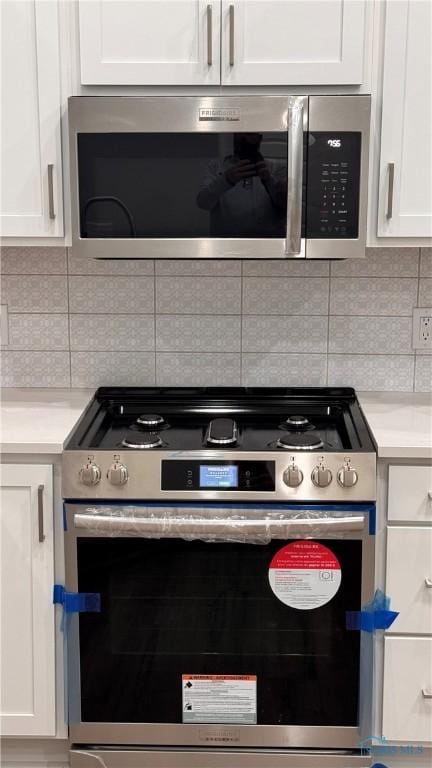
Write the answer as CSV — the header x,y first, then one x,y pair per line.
x,y
426,694
51,191
41,514
391,169
231,35
209,35
428,583
430,495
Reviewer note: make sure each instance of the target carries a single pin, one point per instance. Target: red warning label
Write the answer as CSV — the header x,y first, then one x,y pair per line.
x,y
305,575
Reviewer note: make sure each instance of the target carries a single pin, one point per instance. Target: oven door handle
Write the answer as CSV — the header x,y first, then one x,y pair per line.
x,y
294,176
171,527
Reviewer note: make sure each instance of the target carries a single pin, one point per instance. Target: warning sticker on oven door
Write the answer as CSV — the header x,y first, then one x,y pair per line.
x,y
219,699
305,575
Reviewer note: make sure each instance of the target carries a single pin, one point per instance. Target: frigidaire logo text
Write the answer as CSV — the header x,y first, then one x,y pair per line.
x,y
218,113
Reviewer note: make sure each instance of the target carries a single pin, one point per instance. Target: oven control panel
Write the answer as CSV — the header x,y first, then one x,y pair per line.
x,y
333,187
209,475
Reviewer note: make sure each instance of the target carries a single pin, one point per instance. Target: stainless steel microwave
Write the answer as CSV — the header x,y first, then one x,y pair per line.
x,y
256,177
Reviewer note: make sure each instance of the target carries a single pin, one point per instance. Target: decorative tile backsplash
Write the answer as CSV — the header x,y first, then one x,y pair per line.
x,y
84,323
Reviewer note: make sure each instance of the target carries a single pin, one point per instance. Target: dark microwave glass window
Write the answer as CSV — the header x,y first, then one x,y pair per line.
x,y
157,185
172,607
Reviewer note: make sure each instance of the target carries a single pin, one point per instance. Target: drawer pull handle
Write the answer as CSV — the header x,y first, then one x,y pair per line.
x,y
428,582
426,694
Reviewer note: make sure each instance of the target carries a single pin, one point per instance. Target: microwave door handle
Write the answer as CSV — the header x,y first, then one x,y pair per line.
x,y
217,528
294,177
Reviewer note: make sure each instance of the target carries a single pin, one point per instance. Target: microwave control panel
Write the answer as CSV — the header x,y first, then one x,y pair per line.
x,y
333,186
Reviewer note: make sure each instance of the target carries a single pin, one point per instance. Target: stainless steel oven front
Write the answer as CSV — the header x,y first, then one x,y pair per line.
x,y
201,652
256,177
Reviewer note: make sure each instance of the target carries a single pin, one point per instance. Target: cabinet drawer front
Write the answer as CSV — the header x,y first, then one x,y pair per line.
x,y
409,489
409,578
407,712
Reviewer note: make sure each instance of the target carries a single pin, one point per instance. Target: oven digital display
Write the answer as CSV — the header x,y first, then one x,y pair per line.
x,y
224,476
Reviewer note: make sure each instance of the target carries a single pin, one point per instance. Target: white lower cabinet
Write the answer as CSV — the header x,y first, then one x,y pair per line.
x,y
407,701
27,685
409,578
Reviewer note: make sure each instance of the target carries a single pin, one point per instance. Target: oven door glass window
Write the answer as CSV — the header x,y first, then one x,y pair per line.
x,y
172,607
182,185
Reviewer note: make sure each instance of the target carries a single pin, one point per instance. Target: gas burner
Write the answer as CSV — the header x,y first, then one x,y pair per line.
x,y
142,441
300,441
150,421
297,421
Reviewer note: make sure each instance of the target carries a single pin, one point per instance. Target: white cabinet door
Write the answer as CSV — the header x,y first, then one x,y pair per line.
x,y
406,146
407,705
150,42
410,494
27,686
292,42
409,578
31,177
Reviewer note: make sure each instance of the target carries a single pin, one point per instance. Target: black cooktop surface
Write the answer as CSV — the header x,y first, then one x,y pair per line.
x,y
234,419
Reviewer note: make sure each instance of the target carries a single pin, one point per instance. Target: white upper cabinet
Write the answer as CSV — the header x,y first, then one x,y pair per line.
x,y
150,42
27,686
292,42
405,185
263,42
31,180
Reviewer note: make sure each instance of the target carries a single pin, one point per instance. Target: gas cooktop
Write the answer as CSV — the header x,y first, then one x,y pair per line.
x,y
159,442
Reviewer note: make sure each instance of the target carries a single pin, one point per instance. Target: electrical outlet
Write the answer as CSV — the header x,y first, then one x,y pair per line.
x,y
422,328
4,324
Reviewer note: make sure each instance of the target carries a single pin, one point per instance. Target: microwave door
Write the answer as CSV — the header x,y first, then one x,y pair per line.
x,y
189,177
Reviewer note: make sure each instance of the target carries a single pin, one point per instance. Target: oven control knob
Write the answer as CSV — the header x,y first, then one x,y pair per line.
x,y
293,476
321,477
347,476
117,474
90,473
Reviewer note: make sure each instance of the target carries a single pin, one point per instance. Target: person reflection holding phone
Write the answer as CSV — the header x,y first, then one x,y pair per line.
x,y
245,194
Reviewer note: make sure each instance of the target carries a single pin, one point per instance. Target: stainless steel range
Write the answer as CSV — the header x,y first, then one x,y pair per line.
x,y
215,539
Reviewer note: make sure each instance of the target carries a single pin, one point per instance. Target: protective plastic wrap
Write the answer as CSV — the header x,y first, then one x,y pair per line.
x,y
227,523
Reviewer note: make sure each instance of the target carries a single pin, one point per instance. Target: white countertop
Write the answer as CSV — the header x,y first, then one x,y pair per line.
x,y
39,420
401,423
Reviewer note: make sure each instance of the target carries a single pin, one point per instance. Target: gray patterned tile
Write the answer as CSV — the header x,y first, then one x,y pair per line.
x,y
382,296
82,265
107,295
35,369
38,332
33,293
197,369
26,260
372,372
268,370
198,295
284,334
380,262
423,373
112,332
285,296
425,292
198,333
371,335
285,268
112,369
195,267
426,262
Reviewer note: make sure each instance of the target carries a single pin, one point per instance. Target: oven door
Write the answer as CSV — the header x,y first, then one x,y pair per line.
x,y
191,595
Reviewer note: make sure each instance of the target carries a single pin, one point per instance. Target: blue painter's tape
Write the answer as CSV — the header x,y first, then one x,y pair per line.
x,y
374,615
76,602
